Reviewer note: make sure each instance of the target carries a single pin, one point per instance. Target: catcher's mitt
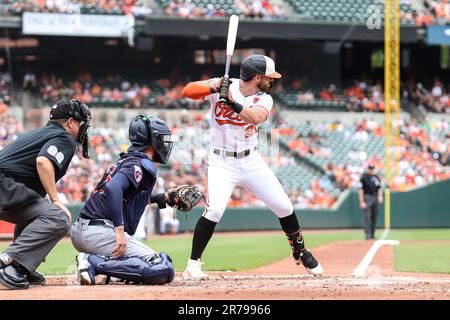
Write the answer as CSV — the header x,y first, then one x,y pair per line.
x,y
184,198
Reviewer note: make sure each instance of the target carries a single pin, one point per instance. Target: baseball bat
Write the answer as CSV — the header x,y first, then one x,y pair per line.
x,y
231,41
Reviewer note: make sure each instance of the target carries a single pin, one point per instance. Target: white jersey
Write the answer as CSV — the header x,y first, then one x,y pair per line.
x,y
229,131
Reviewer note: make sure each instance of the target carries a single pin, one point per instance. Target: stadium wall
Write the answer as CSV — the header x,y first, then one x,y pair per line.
x,y
426,207
248,28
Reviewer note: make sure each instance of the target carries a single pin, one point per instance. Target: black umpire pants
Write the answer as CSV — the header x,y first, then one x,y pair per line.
x,y
370,215
39,224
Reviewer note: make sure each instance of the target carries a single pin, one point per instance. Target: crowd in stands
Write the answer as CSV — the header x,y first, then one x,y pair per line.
x,y
423,153
113,89
5,97
427,12
116,90
248,8
367,95
362,95
117,7
10,129
432,12
266,9
434,99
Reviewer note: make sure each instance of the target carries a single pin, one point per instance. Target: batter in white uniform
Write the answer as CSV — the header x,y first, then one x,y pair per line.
x,y
234,160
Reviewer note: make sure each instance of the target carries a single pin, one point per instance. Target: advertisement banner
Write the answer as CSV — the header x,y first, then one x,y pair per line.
x,y
78,25
438,35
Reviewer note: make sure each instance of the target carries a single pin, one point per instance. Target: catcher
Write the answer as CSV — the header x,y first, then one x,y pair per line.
x,y
102,233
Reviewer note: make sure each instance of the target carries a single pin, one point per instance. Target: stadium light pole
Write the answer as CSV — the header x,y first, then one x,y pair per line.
x,y
391,99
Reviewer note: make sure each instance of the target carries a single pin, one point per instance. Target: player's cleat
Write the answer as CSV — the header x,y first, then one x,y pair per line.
x,y
13,277
35,278
194,271
85,271
306,258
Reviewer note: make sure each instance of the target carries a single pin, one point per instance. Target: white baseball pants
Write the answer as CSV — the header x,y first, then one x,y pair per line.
x,y
251,173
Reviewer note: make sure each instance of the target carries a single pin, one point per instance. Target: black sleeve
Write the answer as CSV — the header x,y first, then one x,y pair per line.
x,y
160,199
59,150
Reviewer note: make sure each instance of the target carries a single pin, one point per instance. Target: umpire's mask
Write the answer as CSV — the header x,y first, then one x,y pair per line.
x,y
64,109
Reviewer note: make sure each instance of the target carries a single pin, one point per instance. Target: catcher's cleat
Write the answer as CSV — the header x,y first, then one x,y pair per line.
x,y
12,277
36,278
306,258
85,271
194,271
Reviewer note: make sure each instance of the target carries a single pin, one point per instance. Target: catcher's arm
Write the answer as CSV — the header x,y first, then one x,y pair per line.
x,y
160,199
183,198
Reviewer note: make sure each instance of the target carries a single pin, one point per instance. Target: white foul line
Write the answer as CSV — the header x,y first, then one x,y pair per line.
x,y
360,270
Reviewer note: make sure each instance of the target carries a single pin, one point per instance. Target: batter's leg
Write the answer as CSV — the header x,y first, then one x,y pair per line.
x,y
263,183
222,179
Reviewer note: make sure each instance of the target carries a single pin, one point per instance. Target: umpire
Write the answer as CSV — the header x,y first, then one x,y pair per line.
x,y
370,195
29,169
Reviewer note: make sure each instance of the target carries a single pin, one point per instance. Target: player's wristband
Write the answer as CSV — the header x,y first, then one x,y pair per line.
x,y
159,199
212,89
237,107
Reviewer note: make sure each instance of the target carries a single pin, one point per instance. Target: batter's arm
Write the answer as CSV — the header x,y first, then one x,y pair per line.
x,y
254,115
199,89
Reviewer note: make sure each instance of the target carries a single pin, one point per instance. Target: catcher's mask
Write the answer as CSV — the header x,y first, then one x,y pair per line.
x,y
147,131
64,109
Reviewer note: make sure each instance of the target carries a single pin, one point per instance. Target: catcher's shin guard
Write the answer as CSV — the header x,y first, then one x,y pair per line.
x,y
302,255
156,271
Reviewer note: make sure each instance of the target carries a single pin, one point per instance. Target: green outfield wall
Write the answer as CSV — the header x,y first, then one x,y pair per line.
x,y
427,207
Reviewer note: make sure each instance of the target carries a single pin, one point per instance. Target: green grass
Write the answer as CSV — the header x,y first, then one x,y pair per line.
x,y
419,234
224,252
428,258
421,257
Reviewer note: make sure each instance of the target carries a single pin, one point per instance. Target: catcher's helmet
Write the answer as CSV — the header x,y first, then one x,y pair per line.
x,y
258,64
147,131
65,109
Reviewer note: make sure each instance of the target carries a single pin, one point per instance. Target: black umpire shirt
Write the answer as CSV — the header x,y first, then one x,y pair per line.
x,y
18,159
370,184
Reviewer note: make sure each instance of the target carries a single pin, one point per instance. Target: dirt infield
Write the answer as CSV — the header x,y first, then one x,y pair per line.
x,y
282,280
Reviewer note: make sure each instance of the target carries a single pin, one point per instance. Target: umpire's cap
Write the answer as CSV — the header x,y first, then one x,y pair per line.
x,y
258,64
147,131
65,109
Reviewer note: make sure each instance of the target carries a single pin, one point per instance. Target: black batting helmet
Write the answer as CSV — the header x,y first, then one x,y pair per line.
x,y
258,64
147,131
